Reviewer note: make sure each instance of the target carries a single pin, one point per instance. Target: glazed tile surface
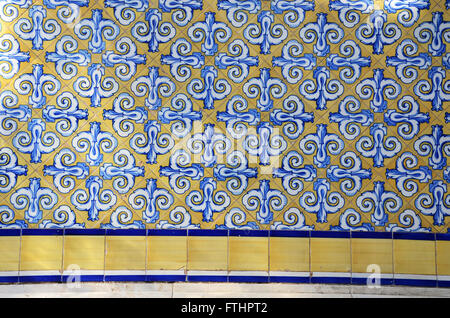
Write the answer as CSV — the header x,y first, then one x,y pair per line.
x,y
225,114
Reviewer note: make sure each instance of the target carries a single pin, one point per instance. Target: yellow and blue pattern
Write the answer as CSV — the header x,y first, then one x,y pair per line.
x,y
261,116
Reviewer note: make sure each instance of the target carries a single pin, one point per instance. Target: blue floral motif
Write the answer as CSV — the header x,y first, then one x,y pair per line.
x,y
122,116
37,142
264,199
181,220
435,30
210,89
411,223
152,198
294,117
209,142
379,201
122,9
9,169
70,8
295,221
265,86
321,32
409,119
153,85
183,116
179,60
64,170
37,83
10,114
178,171
348,10
35,29
349,220
66,59
97,86
235,117
237,10
237,172
8,11
291,62
267,33
124,174
208,201
93,199
127,60
377,33
437,92
351,61
291,173
351,174
98,29
153,32
120,219
321,143
269,143
323,201
208,31
409,10
404,62
93,142
380,146
34,196
436,144
183,9
234,220
437,205
348,118
322,89
377,87
66,117
295,10
404,174
11,56
240,61
152,143
65,218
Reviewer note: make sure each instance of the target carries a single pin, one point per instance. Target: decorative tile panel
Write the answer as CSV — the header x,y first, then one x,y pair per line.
x,y
228,114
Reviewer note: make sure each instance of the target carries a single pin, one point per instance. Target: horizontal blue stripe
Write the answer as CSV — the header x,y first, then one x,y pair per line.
x,y
40,278
208,233
443,283
289,233
42,231
371,235
125,278
10,232
160,232
84,232
125,232
363,281
206,278
249,233
85,278
165,278
289,279
442,236
248,279
414,236
330,234
9,279
330,280
416,282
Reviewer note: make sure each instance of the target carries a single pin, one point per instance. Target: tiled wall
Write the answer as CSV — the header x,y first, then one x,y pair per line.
x,y
325,117
225,256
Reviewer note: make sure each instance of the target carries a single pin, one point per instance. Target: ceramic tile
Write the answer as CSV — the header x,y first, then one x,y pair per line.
x,y
41,253
125,253
414,257
207,253
330,255
167,253
9,253
289,254
248,254
84,252
367,252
